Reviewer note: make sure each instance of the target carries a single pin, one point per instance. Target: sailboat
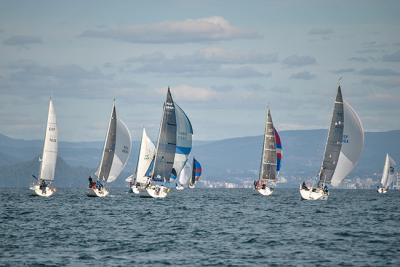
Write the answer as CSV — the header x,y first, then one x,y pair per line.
x,y
117,148
49,157
387,175
139,181
196,173
270,159
172,151
183,178
342,151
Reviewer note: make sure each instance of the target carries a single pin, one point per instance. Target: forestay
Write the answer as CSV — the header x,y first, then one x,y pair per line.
x,y
50,147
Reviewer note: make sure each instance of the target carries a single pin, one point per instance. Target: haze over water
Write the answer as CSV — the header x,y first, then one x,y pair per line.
x,y
200,227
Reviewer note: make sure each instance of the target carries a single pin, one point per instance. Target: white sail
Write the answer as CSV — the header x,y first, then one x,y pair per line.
x,y
388,172
352,144
122,151
50,147
146,154
185,174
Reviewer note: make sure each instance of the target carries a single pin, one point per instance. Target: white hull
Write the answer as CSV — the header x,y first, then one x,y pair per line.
x,y
157,191
94,192
191,186
382,190
48,191
265,191
313,194
179,187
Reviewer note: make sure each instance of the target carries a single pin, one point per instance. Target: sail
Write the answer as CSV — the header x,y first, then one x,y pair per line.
x,y
50,147
388,172
352,144
269,156
196,172
184,132
184,175
166,144
279,154
122,151
117,148
334,142
146,154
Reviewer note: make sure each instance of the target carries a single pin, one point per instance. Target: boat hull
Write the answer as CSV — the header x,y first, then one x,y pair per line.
x,y
47,192
179,187
157,191
94,192
382,190
265,191
313,194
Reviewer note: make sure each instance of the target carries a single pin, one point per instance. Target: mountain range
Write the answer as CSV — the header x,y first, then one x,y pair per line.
x,y
230,160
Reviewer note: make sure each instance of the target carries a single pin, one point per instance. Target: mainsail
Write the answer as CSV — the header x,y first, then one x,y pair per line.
x,y
50,147
388,172
117,148
334,142
352,145
146,155
196,172
166,144
269,156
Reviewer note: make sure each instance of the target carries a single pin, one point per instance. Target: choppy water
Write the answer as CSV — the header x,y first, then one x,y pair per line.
x,y
233,227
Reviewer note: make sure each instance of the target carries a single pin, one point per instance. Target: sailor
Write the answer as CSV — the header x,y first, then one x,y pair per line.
x,y
325,188
304,186
255,184
99,185
90,182
42,186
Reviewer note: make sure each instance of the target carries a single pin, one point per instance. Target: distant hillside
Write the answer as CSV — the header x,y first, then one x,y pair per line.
x,y
225,160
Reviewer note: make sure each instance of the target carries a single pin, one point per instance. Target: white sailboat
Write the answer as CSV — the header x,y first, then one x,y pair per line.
x,y
49,157
184,177
387,175
342,151
173,148
139,181
117,148
270,156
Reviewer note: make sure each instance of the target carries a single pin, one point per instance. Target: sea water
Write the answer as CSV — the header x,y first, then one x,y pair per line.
x,y
200,227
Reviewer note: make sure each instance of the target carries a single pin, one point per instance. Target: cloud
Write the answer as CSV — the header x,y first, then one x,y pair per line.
x,y
189,93
304,75
321,31
359,59
344,70
395,57
378,72
299,61
208,62
22,40
186,31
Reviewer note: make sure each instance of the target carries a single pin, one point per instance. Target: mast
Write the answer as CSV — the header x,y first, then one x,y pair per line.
x,y
334,142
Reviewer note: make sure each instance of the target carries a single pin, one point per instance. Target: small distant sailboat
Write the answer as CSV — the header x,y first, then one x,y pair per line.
x,y
270,159
173,148
117,148
342,151
49,157
387,175
140,181
196,173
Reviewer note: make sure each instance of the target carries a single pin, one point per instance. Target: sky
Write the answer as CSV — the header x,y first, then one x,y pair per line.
x,y
225,62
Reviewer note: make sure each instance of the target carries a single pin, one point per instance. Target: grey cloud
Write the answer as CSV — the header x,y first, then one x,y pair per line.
x,y
321,31
359,59
344,70
395,57
186,31
299,61
22,40
378,72
386,84
304,75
